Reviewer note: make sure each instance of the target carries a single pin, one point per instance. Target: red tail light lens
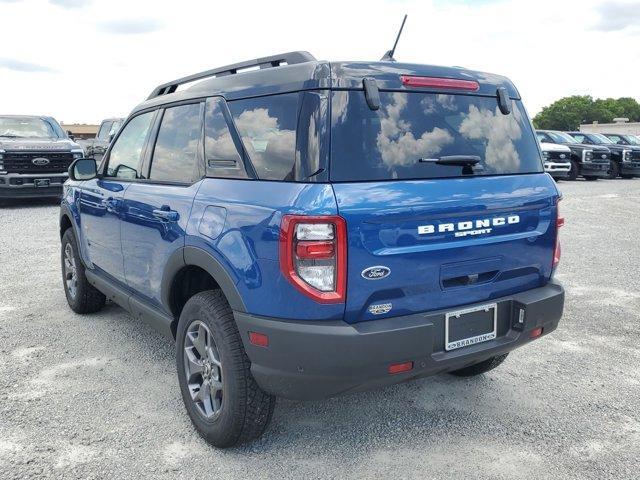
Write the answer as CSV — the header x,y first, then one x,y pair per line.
x,y
313,255
400,367
436,82
557,252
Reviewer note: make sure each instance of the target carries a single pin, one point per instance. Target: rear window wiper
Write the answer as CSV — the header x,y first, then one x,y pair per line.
x,y
454,160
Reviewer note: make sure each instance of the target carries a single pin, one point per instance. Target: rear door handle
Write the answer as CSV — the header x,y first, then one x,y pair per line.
x,y
110,204
166,214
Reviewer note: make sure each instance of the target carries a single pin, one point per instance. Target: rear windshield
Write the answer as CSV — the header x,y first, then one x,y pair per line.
x,y
410,131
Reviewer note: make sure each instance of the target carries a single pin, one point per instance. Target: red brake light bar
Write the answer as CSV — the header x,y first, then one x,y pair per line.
x,y
436,82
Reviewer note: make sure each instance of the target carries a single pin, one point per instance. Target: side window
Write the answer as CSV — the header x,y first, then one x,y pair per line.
x,y
581,138
115,126
542,137
221,153
267,126
126,154
103,133
175,156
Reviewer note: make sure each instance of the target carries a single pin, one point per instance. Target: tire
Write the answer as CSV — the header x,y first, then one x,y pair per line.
x,y
82,297
480,368
627,176
573,173
614,171
235,409
591,179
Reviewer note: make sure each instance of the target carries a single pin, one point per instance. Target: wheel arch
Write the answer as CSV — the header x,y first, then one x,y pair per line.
x,y
193,260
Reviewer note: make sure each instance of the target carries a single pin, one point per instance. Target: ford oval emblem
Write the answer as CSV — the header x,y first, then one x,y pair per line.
x,y
40,161
376,273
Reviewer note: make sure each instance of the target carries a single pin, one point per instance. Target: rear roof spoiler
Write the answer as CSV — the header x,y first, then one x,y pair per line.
x,y
289,58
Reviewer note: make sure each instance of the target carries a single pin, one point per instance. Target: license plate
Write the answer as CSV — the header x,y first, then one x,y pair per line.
x,y
41,182
470,326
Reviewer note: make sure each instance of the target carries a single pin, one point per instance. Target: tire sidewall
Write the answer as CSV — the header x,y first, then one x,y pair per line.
x,y
224,428
69,238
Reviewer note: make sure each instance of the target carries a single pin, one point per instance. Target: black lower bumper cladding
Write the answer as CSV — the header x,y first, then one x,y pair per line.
x,y
313,360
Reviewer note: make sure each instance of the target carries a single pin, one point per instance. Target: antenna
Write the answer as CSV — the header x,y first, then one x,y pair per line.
x,y
388,57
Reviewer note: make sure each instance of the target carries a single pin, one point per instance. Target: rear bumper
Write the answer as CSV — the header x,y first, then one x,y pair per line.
x,y
15,185
313,360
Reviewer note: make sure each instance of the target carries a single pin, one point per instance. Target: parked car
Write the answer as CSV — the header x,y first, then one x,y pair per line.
x,y
621,156
309,229
632,142
35,154
556,159
590,161
95,147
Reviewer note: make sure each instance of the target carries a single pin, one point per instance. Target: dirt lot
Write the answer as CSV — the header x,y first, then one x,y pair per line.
x,y
97,396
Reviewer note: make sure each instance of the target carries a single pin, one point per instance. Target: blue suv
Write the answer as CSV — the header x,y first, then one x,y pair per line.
x,y
305,229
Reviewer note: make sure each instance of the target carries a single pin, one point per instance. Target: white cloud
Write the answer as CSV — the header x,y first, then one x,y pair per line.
x,y
548,48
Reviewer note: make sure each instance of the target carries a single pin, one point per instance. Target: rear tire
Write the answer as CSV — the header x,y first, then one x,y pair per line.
x,y
223,400
82,297
591,179
626,176
573,173
480,368
614,171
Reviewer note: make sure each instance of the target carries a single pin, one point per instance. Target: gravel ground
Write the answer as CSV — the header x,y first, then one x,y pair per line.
x,y
97,396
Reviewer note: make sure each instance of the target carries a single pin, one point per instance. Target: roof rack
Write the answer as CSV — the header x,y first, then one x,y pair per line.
x,y
289,58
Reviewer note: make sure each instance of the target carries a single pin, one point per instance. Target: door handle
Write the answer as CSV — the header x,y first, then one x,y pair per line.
x,y
166,214
110,204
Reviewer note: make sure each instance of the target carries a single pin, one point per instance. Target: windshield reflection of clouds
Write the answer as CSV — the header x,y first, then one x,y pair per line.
x,y
485,131
396,142
499,132
271,147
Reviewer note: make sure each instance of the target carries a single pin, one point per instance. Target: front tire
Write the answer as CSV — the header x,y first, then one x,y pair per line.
x,y
590,179
82,297
573,173
614,171
223,400
480,368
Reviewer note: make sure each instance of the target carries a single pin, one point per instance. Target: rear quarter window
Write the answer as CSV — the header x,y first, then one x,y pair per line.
x,y
267,126
389,143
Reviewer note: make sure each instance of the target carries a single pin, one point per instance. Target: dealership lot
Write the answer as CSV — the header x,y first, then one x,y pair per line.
x,y
97,396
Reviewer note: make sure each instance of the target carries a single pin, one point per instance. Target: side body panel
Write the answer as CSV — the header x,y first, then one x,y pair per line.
x,y
154,222
238,223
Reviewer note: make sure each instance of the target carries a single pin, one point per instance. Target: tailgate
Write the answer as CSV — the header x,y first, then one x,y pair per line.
x,y
423,245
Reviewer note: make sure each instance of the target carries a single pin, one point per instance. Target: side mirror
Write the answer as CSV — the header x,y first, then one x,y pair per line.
x,y
71,135
83,169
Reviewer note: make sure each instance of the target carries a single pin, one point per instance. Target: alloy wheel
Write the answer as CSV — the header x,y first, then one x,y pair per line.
x,y
203,370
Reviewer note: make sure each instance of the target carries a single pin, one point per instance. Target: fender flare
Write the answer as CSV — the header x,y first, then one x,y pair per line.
x,y
198,257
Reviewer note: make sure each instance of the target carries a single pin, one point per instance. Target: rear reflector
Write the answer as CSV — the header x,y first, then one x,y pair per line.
x,y
536,332
435,82
557,251
258,339
400,367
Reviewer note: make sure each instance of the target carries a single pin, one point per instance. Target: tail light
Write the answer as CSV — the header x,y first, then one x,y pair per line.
x,y
313,255
437,82
557,251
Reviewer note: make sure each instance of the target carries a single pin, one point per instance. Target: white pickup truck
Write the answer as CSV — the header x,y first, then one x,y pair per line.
x,y
557,159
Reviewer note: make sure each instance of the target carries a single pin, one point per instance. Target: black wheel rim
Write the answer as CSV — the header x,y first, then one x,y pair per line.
x,y
203,370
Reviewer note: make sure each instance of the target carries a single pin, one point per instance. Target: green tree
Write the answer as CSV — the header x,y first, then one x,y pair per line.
x,y
569,112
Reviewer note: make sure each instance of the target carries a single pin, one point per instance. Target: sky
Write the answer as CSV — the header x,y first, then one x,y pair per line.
x,y
83,60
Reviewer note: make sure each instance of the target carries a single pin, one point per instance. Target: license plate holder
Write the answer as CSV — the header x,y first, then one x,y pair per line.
x,y
41,182
470,326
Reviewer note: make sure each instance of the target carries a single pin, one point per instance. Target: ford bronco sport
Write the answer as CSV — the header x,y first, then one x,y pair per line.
x,y
305,229
35,154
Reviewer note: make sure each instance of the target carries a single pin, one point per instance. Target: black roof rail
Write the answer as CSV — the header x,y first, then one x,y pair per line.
x,y
289,58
